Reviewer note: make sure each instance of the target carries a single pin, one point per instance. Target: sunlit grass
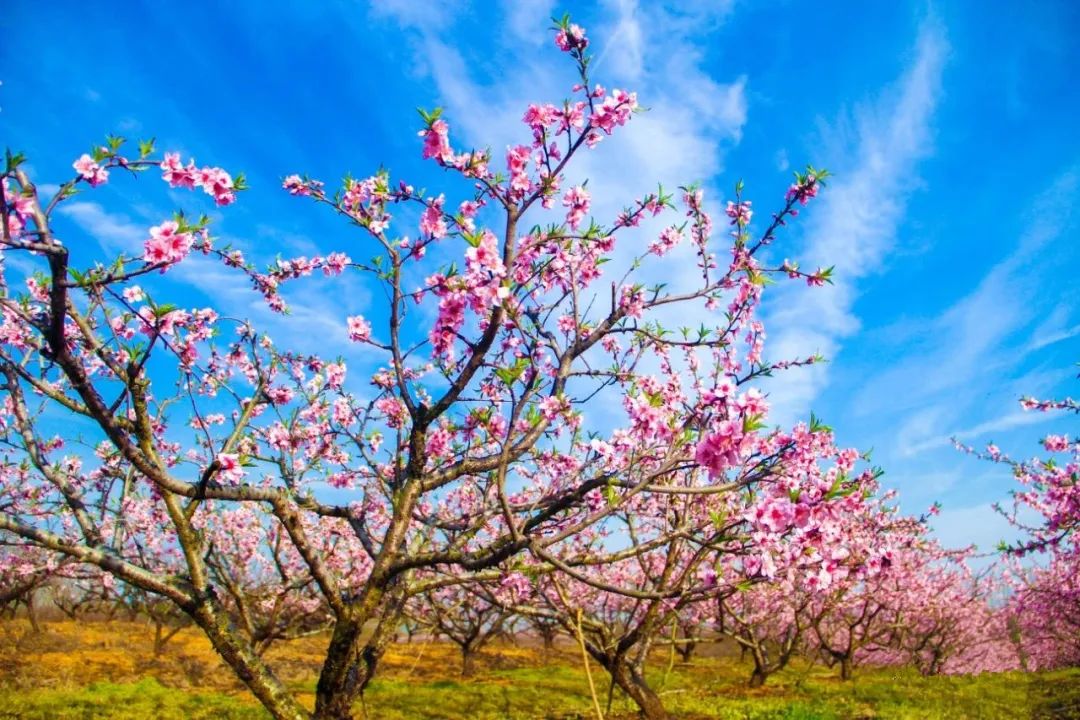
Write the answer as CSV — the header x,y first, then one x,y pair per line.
x,y
99,670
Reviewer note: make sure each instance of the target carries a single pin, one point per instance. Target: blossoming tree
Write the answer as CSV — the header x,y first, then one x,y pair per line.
x,y
467,458
1045,596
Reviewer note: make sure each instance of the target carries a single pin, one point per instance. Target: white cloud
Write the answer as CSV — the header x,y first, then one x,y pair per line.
x,y
115,233
782,161
525,19
855,224
624,47
960,358
932,433
978,525
315,322
1054,329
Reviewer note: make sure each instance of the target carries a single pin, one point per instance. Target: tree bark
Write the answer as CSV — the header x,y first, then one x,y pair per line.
x,y
248,666
632,682
350,665
31,613
468,661
345,671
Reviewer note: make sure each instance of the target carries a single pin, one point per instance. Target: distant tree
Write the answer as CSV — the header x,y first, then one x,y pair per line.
x,y
1044,601
462,616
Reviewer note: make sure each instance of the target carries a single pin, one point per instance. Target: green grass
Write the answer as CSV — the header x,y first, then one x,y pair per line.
x,y
712,689
143,700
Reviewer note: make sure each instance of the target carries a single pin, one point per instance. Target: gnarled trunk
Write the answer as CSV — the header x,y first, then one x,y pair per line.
x,y
632,682
248,666
762,668
349,667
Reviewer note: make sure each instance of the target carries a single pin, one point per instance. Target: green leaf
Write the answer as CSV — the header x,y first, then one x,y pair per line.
x,y
611,496
511,374
817,426
14,160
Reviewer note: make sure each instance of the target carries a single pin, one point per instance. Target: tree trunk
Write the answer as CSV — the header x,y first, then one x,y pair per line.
x,y
468,661
632,682
350,666
845,668
346,670
761,668
686,651
31,613
159,640
238,654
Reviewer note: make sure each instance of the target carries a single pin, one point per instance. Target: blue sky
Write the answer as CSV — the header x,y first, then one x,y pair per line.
x,y
950,130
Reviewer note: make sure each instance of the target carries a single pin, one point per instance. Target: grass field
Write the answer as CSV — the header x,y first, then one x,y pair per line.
x,y
107,670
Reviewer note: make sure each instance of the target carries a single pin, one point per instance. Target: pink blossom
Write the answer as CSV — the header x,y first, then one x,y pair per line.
x,y
615,110
720,449
571,38
167,244
577,200
436,142
134,294
538,117
174,173
669,238
335,375
804,190
217,183
359,329
229,468
91,171
335,263
394,410
740,213
632,301
551,407
295,185
432,222
438,443
517,159
1056,443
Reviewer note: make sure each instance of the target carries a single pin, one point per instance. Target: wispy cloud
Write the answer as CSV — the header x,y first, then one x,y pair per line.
x,y
974,348
856,222
978,525
115,233
316,319
692,119
932,433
